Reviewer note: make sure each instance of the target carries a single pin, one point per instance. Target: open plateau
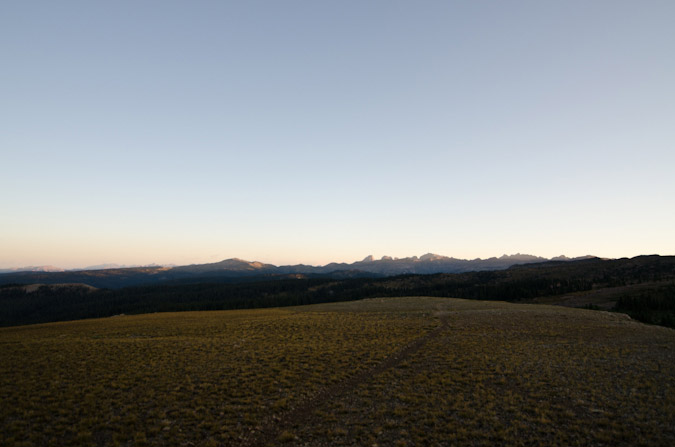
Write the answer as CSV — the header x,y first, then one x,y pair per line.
x,y
547,353
395,371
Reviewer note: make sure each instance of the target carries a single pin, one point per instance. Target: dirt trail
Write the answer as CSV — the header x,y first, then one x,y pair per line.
x,y
304,412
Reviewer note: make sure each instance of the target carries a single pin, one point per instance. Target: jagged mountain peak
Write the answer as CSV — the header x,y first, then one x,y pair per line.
x,y
429,263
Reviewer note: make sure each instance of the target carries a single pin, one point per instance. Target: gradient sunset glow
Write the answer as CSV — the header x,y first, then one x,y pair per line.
x,y
312,132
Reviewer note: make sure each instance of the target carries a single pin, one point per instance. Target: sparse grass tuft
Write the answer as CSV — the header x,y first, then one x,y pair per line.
x,y
286,436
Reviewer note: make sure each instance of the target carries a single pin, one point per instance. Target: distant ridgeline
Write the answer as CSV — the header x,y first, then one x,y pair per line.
x,y
231,270
654,301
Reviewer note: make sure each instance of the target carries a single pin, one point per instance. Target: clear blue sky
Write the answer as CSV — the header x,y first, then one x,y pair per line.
x,y
307,131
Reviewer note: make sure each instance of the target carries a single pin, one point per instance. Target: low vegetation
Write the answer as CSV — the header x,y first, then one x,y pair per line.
x,y
517,375
398,371
170,379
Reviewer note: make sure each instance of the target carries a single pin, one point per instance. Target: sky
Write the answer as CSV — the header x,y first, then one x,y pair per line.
x,y
173,132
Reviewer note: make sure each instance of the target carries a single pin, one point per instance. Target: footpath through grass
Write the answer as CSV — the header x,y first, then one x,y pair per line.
x,y
505,374
495,373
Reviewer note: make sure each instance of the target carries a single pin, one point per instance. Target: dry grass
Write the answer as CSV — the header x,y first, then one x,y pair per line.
x,y
499,374
505,374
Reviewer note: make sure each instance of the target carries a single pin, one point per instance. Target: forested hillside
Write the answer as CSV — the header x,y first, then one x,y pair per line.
x,y
655,303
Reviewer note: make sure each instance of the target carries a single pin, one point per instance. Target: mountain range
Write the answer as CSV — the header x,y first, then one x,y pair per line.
x,y
233,269
386,266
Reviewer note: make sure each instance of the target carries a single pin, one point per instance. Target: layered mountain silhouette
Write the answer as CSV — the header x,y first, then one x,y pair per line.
x,y
387,266
232,269
642,286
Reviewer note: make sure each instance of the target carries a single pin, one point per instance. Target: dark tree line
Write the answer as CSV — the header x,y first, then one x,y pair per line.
x,y
655,306
50,303
57,303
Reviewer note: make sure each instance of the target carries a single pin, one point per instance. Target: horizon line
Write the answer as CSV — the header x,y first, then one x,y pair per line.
x,y
113,265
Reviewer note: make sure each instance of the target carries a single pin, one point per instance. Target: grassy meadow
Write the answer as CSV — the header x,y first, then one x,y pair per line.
x,y
394,371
